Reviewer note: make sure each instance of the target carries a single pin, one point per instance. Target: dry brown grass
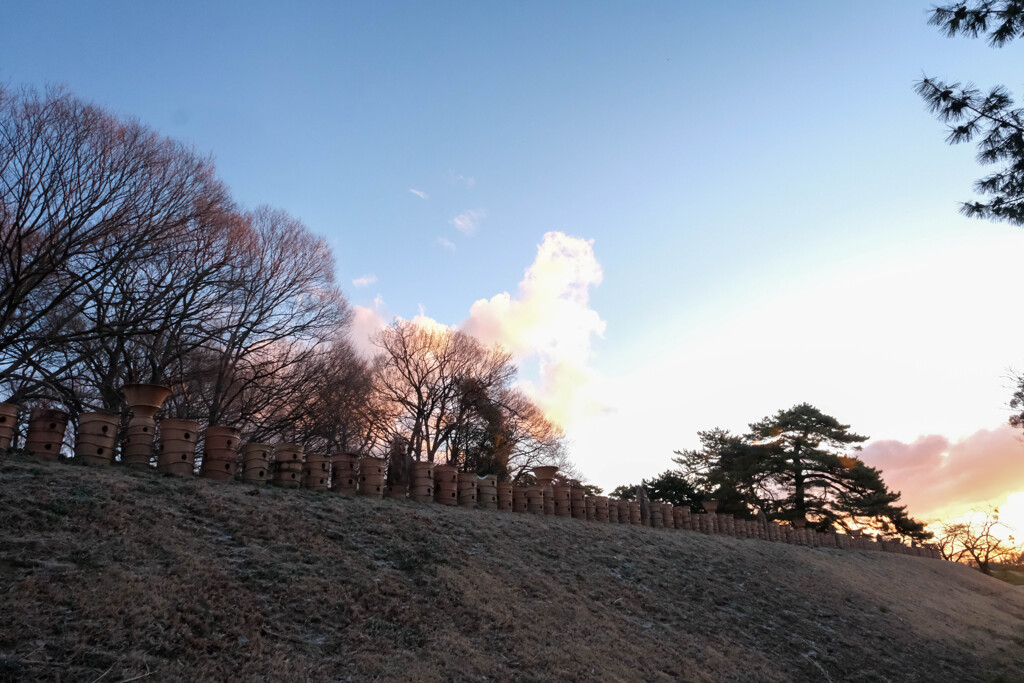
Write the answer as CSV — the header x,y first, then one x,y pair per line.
x,y
118,574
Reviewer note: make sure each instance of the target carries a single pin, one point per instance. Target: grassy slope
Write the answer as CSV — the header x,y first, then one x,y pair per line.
x,y
118,573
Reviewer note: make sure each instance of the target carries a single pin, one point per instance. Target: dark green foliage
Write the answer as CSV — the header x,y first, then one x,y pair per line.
x,y
667,487
796,464
989,118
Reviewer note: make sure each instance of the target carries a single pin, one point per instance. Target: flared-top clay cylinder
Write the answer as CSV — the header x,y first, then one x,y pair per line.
x,y
145,400
256,463
288,463
467,489
137,445
613,511
577,502
545,474
45,437
487,492
8,421
371,477
519,502
316,471
634,513
623,506
177,453
560,498
421,489
590,505
220,453
446,485
344,473
505,496
535,499
667,520
709,506
96,437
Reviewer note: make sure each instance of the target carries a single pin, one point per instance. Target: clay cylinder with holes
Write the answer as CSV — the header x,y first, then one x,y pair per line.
x,y
137,445
316,471
623,506
446,485
177,454
601,509
487,492
634,513
560,495
549,499
371,477
286,470
590,505
677,517
613,512
667,519
96,438
8,421
518,498
535,499
656,520
467,489
397,490
220,453
45,437
344,473
256,463
505,497
576,502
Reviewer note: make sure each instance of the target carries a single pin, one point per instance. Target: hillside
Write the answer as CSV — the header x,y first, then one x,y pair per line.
x,y
121,575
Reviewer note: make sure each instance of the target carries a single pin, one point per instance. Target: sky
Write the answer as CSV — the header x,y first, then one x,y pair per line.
x,y
678,216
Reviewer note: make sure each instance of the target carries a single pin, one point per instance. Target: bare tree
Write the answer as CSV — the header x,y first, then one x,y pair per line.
x,y
979,542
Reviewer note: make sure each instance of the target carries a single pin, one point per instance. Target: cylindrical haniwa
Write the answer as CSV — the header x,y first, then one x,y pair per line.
x,y
590,505
177,454
421,490
96,437
288,465
145,400
535,499
137,445
220,453
519,502
316,471
560,499
371,477
577,502
601,509
613,511
623,506
634,513
45,437
667,519
344,473
680,514
467,489
549,499
505,496
487,492
8,422
256,463
446,485
656,520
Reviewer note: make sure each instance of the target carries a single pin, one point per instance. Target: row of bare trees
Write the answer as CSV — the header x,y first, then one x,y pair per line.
x,y
124,259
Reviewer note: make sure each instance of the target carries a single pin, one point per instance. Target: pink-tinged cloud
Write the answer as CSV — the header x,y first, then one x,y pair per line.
x,y
549,319
366,323
940,478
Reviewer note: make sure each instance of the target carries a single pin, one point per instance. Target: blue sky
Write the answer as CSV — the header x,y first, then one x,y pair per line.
x,y
729,160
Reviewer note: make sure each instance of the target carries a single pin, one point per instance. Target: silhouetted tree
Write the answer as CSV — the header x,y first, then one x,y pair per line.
x,y
978,542
990,118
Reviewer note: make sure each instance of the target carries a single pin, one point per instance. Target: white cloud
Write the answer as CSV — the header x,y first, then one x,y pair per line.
x,y
550,319
446,243
364,281
468,221
419,193
468,181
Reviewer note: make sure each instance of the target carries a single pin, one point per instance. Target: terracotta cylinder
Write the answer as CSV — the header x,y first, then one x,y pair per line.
x,y
446,485
590,505
316,471
623,506
371,477
613,512
397,491
45,437
137,446
560,498
286,473
291,452
256,462
667,520
96,437
601,509
634,513
656,520
545,474
8,422
344,472
446,474
144,400
549,499
519,502
576,500
423,469
487,492
177,454
535,499
505,497
467,489
678,517
220,453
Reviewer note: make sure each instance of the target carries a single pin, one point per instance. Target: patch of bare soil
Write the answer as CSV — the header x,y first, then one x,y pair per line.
x,y
111,574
